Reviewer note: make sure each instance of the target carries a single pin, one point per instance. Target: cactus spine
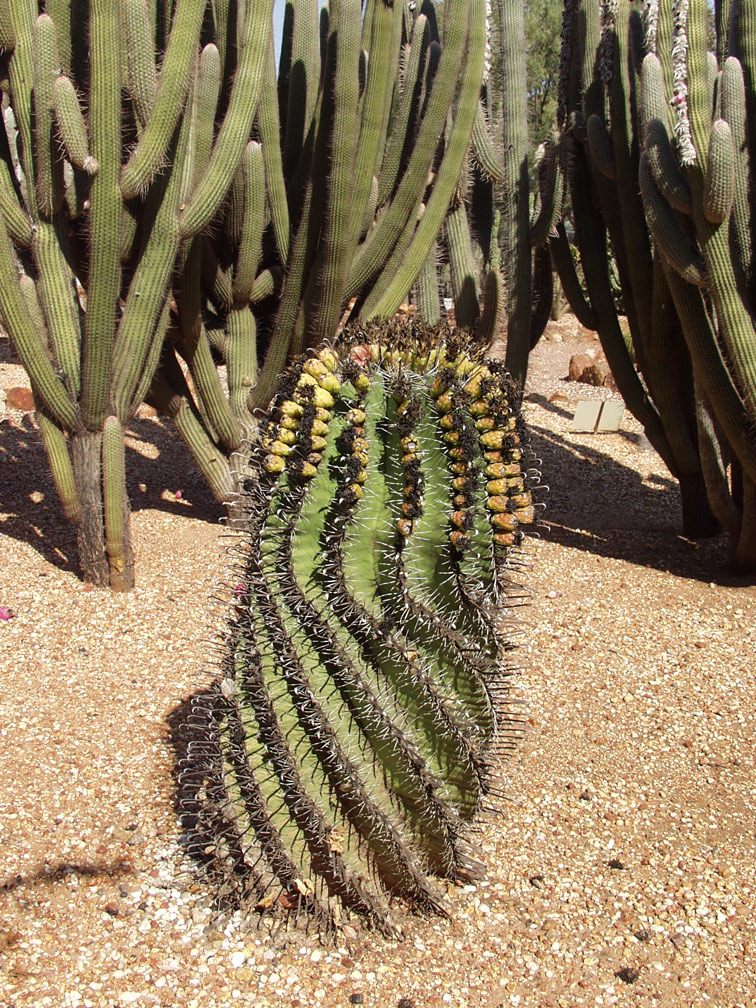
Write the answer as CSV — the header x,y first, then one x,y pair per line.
x,y
350,740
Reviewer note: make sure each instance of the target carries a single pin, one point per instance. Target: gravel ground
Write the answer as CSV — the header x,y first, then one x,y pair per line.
x,y
623,870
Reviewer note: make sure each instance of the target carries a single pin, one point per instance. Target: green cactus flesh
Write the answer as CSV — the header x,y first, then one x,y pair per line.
x,y
353,734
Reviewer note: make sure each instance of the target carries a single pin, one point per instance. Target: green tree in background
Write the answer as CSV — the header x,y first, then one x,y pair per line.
x,y
543,27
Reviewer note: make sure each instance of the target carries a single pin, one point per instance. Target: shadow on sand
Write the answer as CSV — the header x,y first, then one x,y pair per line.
x,y
609,509
30,502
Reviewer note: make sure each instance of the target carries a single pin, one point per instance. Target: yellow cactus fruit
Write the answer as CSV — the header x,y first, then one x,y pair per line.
x,y
273,464
497,503
314,367
526,515
504,520
504,538
355,417
485,423
329,358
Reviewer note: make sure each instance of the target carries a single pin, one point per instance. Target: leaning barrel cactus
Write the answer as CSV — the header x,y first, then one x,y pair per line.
x,y
364,690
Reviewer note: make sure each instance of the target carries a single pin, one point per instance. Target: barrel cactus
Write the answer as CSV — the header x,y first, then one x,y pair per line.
x,y
365,691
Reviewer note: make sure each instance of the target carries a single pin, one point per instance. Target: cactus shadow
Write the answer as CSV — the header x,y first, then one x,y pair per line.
x,y
158,464
185,733
596,504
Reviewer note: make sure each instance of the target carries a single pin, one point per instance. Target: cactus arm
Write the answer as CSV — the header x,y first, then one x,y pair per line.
x,y
515,219
428,299
147,292
7,33
734,313
270,138
561,256
323,297
105,213
250,244
48,389
463,269
215,281
303,74
733,105
600,147
62,15
195,349
669,178
56,447
719,183
49,177
551,190
21,76
592,243
712,371
116,507
71,125
447,174
373,118
234,132
173,85
409,96
714,465
543,293
668,232
487,158
170,394
140,48
16,220
288,308
373,252
266,283
241,358
152,359
491,322
59,300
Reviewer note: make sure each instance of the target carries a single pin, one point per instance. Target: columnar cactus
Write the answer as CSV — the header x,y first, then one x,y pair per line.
x,y
365,686
600,149
697,189
97,211
656,136
184,223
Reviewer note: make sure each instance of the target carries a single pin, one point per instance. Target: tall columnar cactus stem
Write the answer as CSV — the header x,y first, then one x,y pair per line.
x,y
123,204
601,150
516,211
712,250
116,507
350,738
105,214
172,87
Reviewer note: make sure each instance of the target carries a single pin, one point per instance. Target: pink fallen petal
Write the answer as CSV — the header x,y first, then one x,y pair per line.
x,y
178,495
553,594
6,612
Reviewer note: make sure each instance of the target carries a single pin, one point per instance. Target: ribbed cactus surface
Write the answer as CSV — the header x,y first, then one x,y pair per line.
x,y
364,692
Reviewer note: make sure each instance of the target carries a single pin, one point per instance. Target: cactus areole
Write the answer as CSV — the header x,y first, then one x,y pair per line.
x,y
365,694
